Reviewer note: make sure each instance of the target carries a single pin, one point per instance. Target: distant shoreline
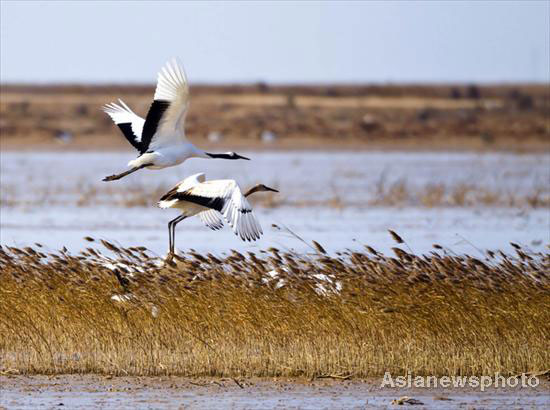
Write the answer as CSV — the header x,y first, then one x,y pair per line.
x,y
113,143
265,117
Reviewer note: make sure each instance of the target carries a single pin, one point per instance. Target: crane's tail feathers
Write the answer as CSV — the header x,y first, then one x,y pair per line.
x,y
166,204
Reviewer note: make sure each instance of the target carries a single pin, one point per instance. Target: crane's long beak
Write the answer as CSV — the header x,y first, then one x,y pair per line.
x,y
270,189
241,157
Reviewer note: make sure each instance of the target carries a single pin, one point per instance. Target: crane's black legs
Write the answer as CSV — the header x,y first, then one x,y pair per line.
x,y
123,174
170,238
172,232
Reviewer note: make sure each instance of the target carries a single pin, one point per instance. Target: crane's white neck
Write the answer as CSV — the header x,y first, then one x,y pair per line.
x,y
199,153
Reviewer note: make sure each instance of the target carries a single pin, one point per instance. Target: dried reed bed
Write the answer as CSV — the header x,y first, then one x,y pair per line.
x,y
273,313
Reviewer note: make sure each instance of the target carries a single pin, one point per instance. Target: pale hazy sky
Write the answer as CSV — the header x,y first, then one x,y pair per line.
x,y
286,42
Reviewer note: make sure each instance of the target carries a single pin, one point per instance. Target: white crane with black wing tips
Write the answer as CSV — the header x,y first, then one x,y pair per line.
x,y
160,137
214,201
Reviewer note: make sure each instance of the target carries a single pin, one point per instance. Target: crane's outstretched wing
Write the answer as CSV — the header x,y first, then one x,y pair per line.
x,y
212,219
128,121
165,120
220,196
225,197
238,214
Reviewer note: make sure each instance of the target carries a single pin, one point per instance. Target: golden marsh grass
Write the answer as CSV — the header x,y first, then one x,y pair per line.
x,y
273,313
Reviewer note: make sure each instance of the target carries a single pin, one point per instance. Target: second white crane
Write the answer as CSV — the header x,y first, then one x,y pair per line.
x,y
214,201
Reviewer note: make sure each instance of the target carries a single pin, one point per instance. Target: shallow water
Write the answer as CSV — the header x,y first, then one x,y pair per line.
x,y
96,392
462,230
299,175
40,192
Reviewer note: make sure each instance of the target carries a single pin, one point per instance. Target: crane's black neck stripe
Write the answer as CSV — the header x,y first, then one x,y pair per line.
x,y
222,156
230,155
156,111
126,129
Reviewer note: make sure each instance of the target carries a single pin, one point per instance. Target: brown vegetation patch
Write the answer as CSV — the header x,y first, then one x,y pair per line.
x,y
273,313
403,117
398,193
